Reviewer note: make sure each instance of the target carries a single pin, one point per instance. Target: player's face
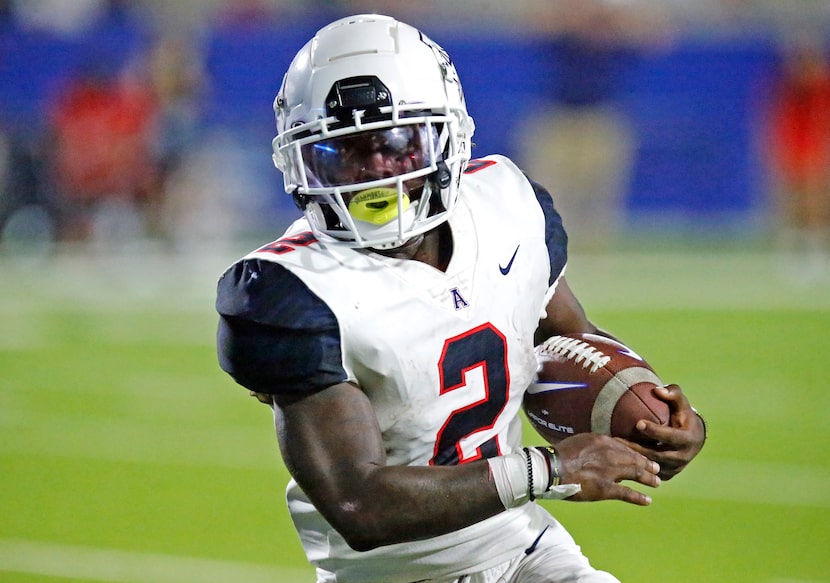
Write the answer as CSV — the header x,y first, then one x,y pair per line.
x,y
369,156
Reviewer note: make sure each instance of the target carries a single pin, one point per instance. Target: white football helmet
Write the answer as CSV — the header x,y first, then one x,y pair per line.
x,y
372,132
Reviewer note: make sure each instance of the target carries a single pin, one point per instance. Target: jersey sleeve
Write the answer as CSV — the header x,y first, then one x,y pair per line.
x,y
275,336
555,235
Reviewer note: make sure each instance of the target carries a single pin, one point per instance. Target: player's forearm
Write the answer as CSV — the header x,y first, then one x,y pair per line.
x,y
332,446
400,504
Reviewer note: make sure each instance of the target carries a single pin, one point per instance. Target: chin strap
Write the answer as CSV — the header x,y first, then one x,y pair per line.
x,y
404,250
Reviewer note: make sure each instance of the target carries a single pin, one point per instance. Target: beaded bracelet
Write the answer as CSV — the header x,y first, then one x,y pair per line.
x,y
530,493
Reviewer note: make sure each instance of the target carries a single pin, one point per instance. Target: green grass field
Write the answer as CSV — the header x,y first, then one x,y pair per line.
x,y
128,456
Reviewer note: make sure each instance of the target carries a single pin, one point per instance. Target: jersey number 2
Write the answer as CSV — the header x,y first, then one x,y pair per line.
x,y
483,347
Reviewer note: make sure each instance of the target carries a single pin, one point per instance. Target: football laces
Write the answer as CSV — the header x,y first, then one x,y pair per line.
x,y
575,350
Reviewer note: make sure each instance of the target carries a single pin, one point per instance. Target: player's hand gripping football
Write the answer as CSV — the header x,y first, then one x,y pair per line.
x,y
680,440
599,463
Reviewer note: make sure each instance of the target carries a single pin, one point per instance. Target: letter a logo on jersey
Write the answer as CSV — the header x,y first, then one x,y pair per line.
x,y
458,299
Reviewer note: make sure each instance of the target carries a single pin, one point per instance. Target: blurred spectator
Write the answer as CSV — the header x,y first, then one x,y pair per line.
x,y
117,139
581,143
798,156
177,80
101,149
180,85
28,213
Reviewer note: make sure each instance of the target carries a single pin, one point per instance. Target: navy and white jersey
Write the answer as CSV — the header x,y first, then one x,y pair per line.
x,y
443,356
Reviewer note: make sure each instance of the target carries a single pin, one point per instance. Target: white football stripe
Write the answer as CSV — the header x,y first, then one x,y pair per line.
x,y
611,393
604,405
628,352
547,386
119,566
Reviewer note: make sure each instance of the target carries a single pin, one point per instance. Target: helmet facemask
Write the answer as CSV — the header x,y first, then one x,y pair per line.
x,y
376,186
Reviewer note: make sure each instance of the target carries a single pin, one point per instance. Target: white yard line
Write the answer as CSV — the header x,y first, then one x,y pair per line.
x,y
118,566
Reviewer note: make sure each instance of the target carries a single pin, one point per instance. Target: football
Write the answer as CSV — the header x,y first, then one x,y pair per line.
x,y
590,383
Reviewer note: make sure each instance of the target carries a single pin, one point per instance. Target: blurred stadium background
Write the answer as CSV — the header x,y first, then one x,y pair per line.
x,y
127,456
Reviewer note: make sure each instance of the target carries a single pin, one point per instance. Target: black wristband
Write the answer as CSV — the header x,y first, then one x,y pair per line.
x,y
554,465
702,420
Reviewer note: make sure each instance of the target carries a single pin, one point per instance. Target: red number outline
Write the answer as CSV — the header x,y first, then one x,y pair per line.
x,y
486,347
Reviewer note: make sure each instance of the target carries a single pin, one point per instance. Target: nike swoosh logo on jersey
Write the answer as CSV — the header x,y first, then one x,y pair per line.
x,y
505,270
536,388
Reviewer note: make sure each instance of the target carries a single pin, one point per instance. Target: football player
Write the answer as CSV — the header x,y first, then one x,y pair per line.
x,y
391,329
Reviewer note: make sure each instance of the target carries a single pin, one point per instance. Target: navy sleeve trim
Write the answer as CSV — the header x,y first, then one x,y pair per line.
x,y
555,235
275,335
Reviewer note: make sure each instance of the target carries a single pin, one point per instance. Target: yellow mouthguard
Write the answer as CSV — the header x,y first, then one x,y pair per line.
x,y
377,205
